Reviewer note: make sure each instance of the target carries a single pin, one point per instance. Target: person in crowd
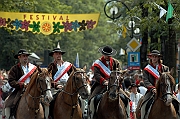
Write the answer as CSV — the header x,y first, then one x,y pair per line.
x,y
135,96
132,110
60,70
102,68
142,88
18,78
178,92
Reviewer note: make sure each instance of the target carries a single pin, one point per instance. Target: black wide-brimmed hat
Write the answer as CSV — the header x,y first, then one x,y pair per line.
x,y
20,52
133,85
155,52
56,50
107,50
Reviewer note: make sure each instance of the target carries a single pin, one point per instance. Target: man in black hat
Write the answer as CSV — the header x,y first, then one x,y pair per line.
x,y
150,76
57,66
102,68
60,73
18,78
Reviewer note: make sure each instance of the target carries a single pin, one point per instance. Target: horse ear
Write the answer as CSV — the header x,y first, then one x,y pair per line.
x,y
85,67
172,71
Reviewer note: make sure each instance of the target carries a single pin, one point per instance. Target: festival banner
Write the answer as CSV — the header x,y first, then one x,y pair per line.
x,y
48,23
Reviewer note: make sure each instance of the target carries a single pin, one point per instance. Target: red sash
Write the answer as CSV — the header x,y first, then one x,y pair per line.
x,y
32,68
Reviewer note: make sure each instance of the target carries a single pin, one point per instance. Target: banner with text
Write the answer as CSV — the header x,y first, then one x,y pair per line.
x,y
48,23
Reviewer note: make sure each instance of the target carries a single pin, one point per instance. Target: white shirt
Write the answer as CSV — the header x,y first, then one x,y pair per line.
x,y
142,90
133,109
135,98
26,70
178,96
64,78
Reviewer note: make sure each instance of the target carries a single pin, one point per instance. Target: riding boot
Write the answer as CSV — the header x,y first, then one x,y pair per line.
x,y
126,102
91,109
6,113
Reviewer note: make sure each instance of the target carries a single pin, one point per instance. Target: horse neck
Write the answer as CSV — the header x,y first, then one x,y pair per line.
x,y
70,94
32,95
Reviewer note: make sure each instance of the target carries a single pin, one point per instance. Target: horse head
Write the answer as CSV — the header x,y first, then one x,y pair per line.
x,y
81,83
114,84
44,83
165,87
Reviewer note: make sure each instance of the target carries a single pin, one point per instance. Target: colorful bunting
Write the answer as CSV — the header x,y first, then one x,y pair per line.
x,y
48,23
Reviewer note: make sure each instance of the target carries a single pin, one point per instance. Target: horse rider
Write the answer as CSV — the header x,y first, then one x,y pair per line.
x,y
18,78
60,70
102,68
150,76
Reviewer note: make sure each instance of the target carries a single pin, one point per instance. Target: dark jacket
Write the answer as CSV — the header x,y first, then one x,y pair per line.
x,y
52,67
99,78
15,73
150,80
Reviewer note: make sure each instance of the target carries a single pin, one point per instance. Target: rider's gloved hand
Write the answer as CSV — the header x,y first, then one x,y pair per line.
x,y
153,91
105,83
59,86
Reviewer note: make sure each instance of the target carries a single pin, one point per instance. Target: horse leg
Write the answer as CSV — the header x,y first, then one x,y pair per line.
x,y
46,111
6,113
91,109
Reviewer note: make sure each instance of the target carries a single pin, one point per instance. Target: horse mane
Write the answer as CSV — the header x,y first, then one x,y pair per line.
x,y
32,82
70,77
158,85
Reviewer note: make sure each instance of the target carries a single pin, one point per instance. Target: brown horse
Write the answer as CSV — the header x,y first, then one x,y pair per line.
x,y
162,107
111,105
29,106
66,104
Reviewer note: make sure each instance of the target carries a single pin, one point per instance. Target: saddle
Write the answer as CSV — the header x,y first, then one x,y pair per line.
x,y
145,106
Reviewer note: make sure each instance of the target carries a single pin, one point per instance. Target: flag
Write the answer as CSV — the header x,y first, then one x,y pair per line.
x,y
124,31
169,11
122,52
141,41
77,61
162,10
58,46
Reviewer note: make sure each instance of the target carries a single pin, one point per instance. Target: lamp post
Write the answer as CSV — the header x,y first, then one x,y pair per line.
x,y
133,26
111,9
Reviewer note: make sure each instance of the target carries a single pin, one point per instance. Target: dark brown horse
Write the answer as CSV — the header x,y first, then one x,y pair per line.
x,y
111,105
162,107
66,104
29,106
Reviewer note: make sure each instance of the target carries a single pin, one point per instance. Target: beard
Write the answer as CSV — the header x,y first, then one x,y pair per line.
x,y
25,61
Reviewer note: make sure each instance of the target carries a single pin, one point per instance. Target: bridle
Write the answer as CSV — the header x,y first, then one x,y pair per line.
x,y
74,78
164,87
116,83
42,92
74,81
